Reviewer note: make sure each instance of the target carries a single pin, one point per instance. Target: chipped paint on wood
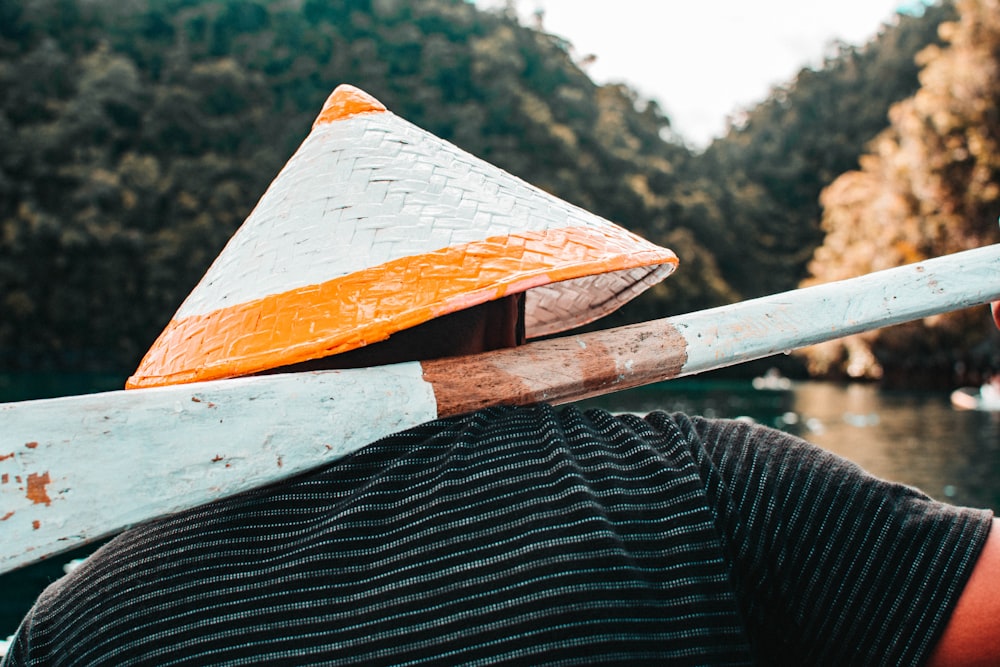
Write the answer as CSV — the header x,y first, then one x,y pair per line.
x,y
576,367
123,457
779,323
36,488
106,461
559,370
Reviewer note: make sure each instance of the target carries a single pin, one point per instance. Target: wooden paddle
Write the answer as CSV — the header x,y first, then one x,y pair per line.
x,y
76,469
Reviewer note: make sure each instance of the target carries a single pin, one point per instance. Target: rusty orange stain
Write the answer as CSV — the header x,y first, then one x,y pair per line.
x,y
36,524
217,458
195,399
36,488
4,457
6,516
31,445
4,478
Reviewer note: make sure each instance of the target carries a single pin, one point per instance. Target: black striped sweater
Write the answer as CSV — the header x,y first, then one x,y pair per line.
x,y
531,536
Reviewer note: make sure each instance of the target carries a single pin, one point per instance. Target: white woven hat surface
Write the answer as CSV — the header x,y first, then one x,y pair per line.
x,y
374,226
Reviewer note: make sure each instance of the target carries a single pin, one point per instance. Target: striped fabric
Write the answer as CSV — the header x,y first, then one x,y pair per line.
x,y
531,536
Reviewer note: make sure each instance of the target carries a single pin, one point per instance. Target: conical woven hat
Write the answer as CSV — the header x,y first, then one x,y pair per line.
x,y
375,226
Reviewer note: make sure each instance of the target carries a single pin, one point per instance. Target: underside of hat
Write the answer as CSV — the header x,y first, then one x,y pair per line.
x,y
375,226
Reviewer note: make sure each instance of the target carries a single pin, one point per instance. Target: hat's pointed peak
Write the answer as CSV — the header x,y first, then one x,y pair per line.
x,y
346,101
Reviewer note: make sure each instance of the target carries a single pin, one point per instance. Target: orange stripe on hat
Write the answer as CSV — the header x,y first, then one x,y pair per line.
x,y
375,226
368,306
347,101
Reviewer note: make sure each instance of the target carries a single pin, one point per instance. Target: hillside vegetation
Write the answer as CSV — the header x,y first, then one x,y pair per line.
x,y
929,184
137,135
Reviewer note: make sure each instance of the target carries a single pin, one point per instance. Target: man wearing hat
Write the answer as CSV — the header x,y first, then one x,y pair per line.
x,y
518,535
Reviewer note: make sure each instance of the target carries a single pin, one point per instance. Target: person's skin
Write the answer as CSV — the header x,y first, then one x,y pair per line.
x,y
970,638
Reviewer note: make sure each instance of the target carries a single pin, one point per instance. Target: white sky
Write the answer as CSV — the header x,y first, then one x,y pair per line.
x,y
704,60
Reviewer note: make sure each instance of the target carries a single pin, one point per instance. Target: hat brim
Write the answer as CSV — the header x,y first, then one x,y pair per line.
x,y
375,226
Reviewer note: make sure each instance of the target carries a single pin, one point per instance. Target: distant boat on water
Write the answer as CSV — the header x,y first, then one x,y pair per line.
x,y
986,397
772,380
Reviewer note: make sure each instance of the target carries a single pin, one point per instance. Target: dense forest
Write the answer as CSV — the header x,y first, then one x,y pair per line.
x,y
137,134
928,184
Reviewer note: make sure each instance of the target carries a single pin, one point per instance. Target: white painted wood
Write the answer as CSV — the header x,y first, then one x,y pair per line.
x,y
75,469
106,461
369,190
778,323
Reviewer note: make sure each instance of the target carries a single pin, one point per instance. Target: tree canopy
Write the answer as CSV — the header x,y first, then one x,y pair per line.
x,y
928,185
138,134
777,157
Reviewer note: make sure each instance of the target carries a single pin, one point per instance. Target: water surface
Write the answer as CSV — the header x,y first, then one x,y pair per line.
x,y
915,438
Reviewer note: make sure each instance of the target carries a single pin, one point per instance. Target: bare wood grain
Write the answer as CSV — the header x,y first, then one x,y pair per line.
x,y
559,370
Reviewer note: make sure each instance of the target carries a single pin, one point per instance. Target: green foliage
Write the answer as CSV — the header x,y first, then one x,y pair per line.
x,y
930,185
138,134
770,168
116,190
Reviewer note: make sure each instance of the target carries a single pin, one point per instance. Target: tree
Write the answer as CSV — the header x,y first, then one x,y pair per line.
x,y
930,185
770,168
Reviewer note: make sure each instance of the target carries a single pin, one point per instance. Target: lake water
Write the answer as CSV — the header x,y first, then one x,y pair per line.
x,y
916,438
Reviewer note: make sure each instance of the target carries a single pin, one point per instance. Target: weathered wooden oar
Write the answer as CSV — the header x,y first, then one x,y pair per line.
x,y
76,469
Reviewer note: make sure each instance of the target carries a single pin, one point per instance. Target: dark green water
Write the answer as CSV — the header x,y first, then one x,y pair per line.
x,y
916,438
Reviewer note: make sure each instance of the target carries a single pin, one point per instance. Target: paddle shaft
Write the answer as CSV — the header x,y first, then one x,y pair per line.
x,y
75,469
585,365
